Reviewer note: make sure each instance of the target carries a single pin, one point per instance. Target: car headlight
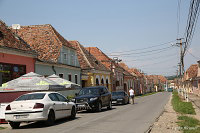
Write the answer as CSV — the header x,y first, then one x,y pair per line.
x,y
92,99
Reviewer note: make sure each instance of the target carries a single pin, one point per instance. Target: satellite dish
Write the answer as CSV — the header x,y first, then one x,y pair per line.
x,y
16,26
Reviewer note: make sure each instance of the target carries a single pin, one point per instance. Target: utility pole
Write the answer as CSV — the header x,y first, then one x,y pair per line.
x,y
181,65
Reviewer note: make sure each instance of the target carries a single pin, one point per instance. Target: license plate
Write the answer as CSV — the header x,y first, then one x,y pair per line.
x,y
20,116
81,105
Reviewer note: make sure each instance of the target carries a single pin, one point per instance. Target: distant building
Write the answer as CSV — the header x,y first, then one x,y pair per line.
x,y
128,78
55,53
94,73
117,78
190,81
16,56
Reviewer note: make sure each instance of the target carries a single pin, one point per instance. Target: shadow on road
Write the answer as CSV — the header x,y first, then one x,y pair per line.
x,y
42,124
90,111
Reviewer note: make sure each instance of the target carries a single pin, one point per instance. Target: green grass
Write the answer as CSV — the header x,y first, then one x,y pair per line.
x,y
180,106
189,124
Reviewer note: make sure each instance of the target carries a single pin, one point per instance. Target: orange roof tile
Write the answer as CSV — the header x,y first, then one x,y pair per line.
x,y
192,71
45,40
10,40
86,59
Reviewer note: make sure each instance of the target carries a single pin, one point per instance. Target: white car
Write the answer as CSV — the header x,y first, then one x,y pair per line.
x,y
39,106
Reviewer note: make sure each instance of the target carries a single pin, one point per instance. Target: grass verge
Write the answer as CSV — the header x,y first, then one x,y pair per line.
x,y
180,106
189,124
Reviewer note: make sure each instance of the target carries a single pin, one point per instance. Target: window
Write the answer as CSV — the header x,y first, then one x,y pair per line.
x,y
102,81
61,98
65,56
97,81
107,83
53,97
76,79
31,97
69,77
61,75
1,35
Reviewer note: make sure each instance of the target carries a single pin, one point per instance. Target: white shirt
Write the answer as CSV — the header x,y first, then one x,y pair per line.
x,y
131,91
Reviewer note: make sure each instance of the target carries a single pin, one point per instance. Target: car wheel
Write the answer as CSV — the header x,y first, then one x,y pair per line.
x,y
51,118
110,105
73,113
99,107
14,125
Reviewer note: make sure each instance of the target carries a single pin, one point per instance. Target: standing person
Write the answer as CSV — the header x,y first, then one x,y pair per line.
x,y
131,92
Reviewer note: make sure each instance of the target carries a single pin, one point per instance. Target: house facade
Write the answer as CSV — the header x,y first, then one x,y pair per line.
x,y
128,78
16,56
197,91
55,53
190,81
117,76
94,73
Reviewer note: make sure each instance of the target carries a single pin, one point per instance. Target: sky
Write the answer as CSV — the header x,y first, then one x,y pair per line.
x,y
142,33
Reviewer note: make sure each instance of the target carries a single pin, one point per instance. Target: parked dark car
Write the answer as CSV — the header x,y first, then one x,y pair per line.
x,y
93,98
120,97
170,89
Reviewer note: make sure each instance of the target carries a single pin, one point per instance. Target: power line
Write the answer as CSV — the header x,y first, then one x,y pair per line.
x,y
148,51
150,58
154,63
143,54
193,55
142,48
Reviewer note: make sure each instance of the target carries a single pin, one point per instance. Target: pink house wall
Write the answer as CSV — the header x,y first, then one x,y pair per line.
x,y
21,60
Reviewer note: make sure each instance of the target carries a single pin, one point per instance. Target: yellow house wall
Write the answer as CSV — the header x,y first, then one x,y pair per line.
x,y
92,80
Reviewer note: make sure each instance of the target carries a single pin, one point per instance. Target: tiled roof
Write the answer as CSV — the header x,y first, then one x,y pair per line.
x,y
45,40
87,60
103,58
136,71
156,78
192,71
126,69
10,40
100,56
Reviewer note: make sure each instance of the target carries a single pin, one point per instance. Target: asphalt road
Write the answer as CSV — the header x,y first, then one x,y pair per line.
x,y
129,118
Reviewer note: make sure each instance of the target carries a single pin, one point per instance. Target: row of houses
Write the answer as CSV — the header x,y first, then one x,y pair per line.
x,y
190,80
41,49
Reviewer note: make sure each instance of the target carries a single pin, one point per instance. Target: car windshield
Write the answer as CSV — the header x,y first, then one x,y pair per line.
x,y
31,97
117,93
86,91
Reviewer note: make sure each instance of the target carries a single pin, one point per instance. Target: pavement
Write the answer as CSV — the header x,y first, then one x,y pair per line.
x,y
137,118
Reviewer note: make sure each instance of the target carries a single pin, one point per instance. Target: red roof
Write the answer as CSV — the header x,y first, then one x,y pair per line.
x,y
45,40
86,59
192,71
103,58
10,40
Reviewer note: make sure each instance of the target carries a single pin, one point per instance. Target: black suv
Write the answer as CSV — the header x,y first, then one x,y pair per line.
x,y
93,98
